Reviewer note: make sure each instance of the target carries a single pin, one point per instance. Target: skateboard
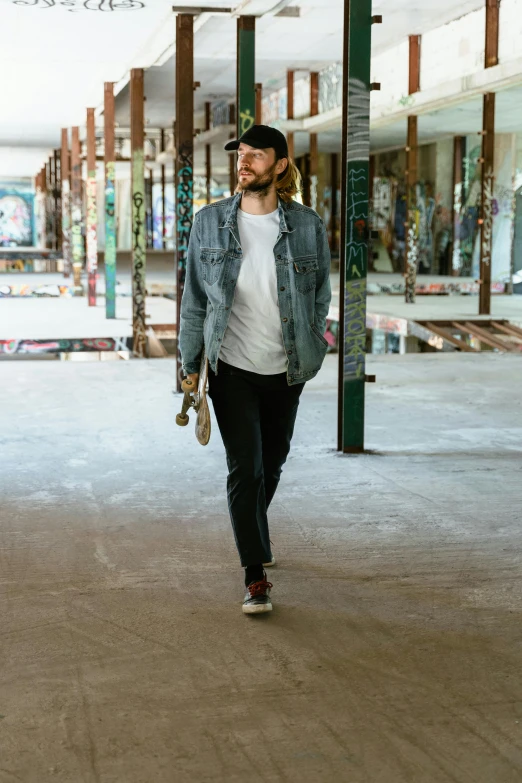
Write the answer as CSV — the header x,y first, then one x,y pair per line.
x,y
197,400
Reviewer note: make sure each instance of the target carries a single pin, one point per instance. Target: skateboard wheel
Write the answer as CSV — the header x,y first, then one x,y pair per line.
x,y
182,421
187,386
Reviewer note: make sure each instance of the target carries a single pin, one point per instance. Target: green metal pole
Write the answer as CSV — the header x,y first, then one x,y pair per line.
x,y
356,229
246,76
110,206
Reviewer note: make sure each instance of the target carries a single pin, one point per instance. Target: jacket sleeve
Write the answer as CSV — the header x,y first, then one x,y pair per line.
x,y
323,291
193,306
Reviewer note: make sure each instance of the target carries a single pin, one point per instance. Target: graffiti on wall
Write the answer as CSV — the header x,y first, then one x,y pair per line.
x,y
487,219
84,5
184,217
66,228
355,329
11,347
139,327
412,256
16,218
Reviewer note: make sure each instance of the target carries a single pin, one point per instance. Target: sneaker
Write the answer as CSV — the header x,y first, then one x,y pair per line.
x,y
271,563
257,599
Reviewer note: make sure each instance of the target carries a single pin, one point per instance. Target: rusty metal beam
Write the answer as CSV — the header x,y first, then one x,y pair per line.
x,y
290,79
139,252
66,205
259,103
184,163
91,216
446,335
492,33
110,202
414,75
458,160
486,218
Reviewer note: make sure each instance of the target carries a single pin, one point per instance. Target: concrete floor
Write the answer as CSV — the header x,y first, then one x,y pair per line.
x,y
394,650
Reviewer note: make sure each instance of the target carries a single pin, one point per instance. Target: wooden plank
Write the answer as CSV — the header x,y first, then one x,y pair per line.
x,y
485,337
446,335
508,328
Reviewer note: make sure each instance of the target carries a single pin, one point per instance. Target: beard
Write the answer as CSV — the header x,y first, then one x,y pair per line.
x,y
261,183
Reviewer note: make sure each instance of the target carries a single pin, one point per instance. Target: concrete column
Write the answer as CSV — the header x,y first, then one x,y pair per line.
x,y
184,164
459,143
355,224
163,198
66,205
110,203
91,217
139,254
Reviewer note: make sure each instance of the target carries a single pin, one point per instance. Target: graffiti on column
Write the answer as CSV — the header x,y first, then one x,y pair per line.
x,y
76,225
457,200
139,326
66,228
110,241
184,216
487,217
84,5
412,255
92,244
246,120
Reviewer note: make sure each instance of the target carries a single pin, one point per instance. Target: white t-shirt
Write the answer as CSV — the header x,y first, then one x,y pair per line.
x,y
254,340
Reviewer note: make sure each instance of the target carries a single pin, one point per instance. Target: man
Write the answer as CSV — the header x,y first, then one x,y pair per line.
x,y
257,294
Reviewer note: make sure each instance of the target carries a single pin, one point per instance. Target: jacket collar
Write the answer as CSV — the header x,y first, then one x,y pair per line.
x,y
230,219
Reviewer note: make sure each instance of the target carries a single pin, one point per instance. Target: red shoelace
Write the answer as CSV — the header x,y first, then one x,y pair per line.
x,y
259,588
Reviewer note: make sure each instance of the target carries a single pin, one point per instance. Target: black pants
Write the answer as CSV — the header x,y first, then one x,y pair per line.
x,y
256,416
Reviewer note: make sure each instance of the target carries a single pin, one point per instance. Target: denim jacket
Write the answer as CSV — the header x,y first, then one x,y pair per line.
x,y
302,259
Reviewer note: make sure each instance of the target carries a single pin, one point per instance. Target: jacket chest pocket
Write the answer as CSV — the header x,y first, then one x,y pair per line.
x,y
305,273
211,264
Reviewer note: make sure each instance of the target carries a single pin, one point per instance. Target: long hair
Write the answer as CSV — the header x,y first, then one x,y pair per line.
x,y
289,182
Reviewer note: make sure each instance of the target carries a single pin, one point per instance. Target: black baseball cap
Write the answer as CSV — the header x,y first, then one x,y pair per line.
x,y
262,137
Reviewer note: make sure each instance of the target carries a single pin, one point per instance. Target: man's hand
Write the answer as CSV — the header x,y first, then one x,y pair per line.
x,y
194,379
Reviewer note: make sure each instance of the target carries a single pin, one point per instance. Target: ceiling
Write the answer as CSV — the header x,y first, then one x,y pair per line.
x,y
59,55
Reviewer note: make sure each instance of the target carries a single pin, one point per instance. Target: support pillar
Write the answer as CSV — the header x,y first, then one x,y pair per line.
x,y
314,150
259,103
76,211
163,199
57,195
184,165
458,160
139,254
354,226
290,138
246,58
110,203
411,250
208,153
92,220
334,177
486,218
66,205
412,229
232,167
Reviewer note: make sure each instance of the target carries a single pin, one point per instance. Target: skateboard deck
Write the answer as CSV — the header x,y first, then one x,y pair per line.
x,y
197,400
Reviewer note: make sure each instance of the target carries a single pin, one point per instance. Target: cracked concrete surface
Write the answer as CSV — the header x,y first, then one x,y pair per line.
x,y
394,650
